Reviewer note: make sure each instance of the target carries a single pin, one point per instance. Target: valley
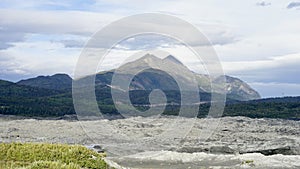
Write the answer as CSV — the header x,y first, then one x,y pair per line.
x,y
237,142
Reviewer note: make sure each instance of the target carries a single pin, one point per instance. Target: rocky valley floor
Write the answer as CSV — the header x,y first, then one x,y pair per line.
x,y
170,142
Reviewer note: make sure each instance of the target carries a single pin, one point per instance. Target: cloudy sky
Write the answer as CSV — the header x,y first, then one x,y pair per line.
x,y
256,41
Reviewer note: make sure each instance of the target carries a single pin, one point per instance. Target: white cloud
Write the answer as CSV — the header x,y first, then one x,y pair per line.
x,y
281,69
270,63
37,58
16,24
48,22
293,5
23,22
263,3
254,43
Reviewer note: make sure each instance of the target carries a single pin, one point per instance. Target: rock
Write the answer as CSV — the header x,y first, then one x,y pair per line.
x,y
212,149
98,148
281,150
191,149
12,129
221,150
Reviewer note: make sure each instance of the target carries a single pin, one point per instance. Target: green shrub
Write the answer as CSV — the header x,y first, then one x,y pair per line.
x,y
52,165
33,155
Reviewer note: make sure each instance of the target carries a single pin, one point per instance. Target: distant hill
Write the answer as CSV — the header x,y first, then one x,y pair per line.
x,y
51,95
152,78
56,82
37,102
10,89
23,100
284,107
288,99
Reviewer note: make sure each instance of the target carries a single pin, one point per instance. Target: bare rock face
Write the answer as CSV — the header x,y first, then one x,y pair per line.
x,y
155,75
239,90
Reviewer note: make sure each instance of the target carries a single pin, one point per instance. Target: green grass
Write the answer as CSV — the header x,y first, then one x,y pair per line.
x,y
50,156
249,163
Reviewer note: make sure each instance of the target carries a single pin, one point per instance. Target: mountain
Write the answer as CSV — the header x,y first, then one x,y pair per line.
x,y
10,89
52,96
173,59
16,99
157,74
282,107
239,90
36,102
56,82
30,101
153,77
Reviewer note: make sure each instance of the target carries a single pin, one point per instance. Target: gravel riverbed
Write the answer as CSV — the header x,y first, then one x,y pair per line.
x,y
164,142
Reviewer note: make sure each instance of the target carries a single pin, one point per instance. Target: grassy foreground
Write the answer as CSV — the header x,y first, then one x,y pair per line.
x,y
50,156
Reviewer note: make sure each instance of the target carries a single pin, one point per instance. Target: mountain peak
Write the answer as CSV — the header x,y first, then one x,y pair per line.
x,y
148,55
173,59
148,58
170,58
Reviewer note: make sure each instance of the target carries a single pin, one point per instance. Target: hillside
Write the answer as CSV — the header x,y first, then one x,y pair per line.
x,y
55,82
152,77
35,102
47,96
10,89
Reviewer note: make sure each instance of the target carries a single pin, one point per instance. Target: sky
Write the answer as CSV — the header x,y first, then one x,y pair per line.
x,y
256,41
